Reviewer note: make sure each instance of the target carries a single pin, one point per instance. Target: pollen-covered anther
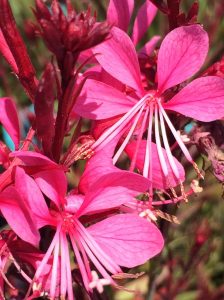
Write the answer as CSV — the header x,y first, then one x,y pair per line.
x,y
183,192
195,186
98,283
200,176
148,214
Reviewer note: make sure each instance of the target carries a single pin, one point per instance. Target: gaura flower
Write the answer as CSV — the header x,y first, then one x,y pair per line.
x,y
109,243
181,55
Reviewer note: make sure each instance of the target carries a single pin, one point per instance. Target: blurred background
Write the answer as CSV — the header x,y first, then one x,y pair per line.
x,y
191,266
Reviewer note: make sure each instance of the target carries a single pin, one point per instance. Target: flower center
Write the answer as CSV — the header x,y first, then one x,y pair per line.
x,y
68,222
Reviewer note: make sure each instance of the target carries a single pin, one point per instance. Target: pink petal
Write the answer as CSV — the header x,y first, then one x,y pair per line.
x,y
9,119
101,101
129,240
31,158
149,47
118,57
5,51
119,13
73,203
100,164
144,18
113,190
158,179
53,184
202,99
32,195
18,216
181,55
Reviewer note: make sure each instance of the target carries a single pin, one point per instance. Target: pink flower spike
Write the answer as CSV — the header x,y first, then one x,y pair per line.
x,y
128,239
9,119
118,57
181,55
144,18
202,99
119,13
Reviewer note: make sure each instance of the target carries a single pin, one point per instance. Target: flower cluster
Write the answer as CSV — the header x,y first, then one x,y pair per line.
x,y
63,236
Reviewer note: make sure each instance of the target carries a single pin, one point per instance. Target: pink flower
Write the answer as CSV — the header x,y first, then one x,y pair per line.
x,y
181,55
118,240
119,14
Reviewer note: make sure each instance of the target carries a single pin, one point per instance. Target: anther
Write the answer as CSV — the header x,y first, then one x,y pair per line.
x,y
200,176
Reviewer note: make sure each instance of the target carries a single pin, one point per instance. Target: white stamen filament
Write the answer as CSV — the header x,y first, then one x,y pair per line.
x,y
158,145
114,130
167,147
126,140
142,128
54,270
176,135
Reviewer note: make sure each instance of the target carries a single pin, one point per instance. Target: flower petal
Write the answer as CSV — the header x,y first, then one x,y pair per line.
x,y
158,179
100,164
32,158
149,47
181,55
32,195
101,101
202,99
53,184
144,18
113,190
119,13
129,240
18,216
118,57
9,119
7,54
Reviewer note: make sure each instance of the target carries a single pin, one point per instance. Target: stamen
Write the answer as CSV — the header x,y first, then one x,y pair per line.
x,y
109,134
63,284
147,170
158,144
180,142
126,140
133,161
167,147
45,259
95,261
54,271
68,269
104,258
80,263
